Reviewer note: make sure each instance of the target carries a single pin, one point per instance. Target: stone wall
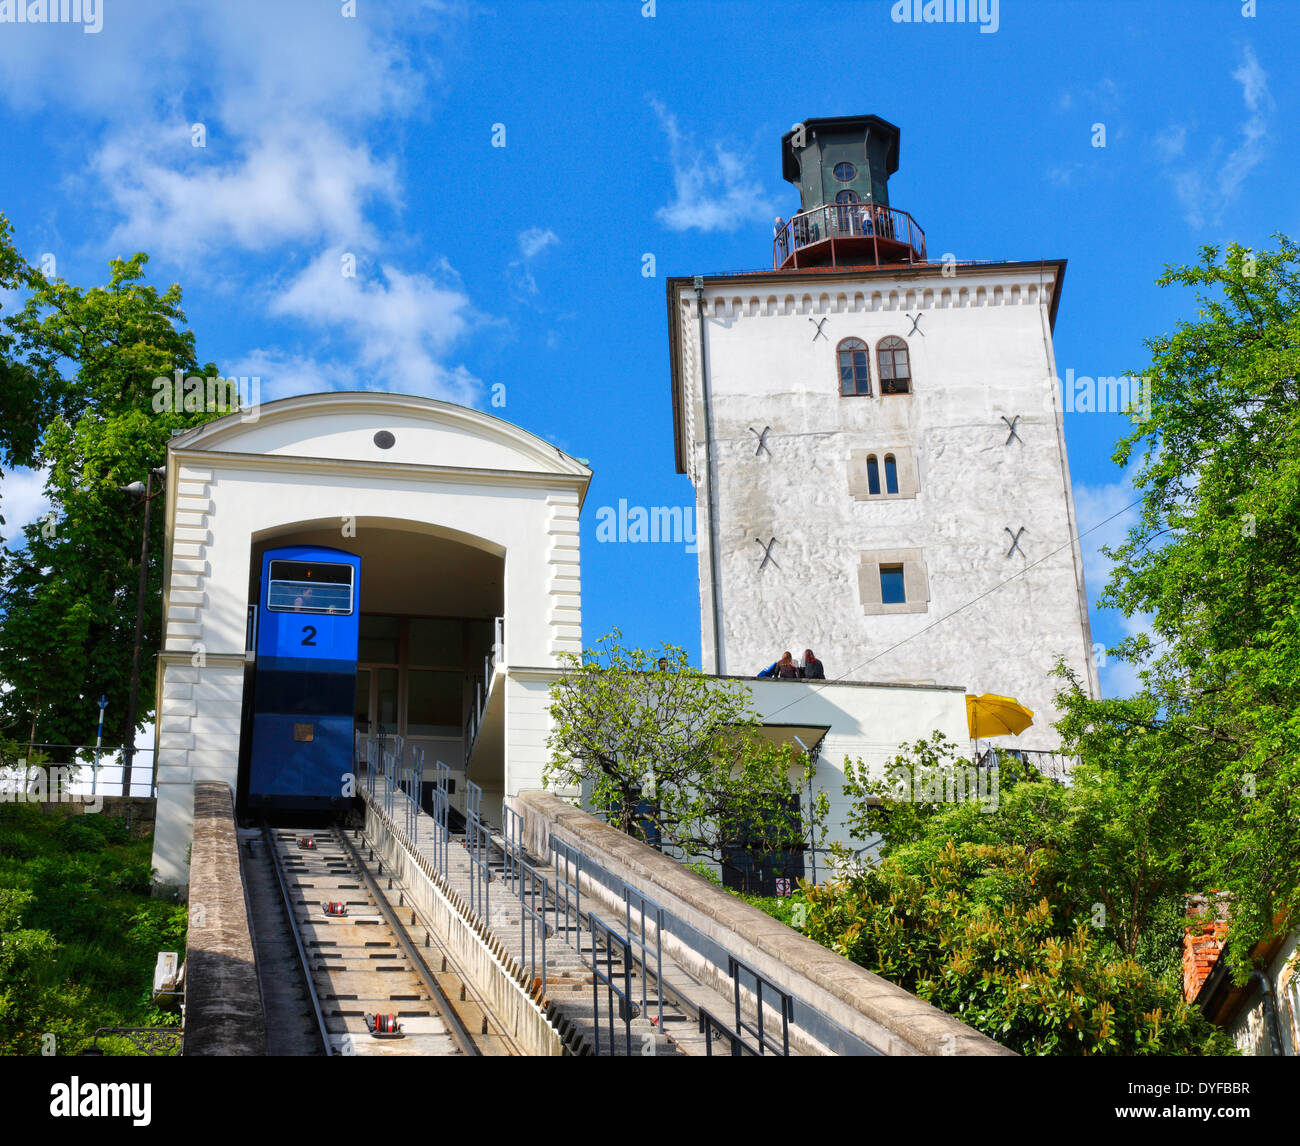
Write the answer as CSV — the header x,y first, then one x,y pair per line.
x,y
991,615
846,1000
139,812
223,1004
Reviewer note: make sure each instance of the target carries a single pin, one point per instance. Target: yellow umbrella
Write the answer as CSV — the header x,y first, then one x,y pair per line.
x,y
991,715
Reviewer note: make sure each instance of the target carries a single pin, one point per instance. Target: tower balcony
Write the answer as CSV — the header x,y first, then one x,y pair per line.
x,y
848,234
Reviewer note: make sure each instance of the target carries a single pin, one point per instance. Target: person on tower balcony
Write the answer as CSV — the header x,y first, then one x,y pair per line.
x,y
884,225
812,667
786,669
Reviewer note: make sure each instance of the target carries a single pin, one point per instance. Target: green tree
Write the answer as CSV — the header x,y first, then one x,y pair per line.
x,y
1211,743
25,405
37,1010
1103,851
1004,958
674,755
82,403
79,931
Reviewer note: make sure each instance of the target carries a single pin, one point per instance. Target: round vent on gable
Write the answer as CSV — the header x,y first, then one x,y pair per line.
x,y
385,440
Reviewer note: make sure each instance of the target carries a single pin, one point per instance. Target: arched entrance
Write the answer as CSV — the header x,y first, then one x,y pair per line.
x,y
431,603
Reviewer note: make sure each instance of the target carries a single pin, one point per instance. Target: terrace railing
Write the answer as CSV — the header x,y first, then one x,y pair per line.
x,y
854,234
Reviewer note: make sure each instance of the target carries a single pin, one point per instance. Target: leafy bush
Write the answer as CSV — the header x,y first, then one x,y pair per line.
x,y
135,878
76,835
1011,964
78,931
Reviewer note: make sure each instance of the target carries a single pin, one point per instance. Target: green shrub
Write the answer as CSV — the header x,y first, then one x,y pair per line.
x,y
1019,970
78,834
78,931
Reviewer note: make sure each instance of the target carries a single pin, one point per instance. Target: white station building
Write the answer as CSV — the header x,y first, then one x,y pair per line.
x,y
467,528
877,449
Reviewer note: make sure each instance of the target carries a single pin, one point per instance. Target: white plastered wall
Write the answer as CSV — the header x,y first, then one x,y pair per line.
x,y
453,472
981,352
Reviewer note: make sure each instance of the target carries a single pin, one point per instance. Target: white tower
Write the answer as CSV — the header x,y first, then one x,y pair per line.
x,y
877,448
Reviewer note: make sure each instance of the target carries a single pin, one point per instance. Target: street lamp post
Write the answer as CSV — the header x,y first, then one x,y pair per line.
x,y
99,744
145,492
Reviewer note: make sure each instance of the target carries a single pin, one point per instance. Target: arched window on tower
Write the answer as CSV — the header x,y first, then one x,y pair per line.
x,y
895,368
855,375
891,474
873,474
846,216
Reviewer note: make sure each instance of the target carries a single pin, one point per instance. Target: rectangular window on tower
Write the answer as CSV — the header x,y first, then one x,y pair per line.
x,y
893,581
882,474
892,591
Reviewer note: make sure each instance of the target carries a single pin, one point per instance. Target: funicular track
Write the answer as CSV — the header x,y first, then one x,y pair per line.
x,y
365,962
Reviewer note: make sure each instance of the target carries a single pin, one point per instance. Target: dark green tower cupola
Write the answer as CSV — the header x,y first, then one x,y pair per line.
x,y
856,153
842,166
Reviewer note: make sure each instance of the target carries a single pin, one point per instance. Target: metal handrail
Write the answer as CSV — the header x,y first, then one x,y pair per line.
x,y
570,881
69,768
645,906
862,220
492,664
608,976
478,842
1053,765
785,1001
441,804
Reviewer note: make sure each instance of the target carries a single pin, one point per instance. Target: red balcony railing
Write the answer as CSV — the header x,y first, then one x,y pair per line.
x,y
849,234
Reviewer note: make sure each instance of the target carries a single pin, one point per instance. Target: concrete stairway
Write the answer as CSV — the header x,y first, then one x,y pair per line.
x,y
569,978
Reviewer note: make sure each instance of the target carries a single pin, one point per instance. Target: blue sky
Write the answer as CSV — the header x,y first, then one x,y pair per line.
x,y
371,135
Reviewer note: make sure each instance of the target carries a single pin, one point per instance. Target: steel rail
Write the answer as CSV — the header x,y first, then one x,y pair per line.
x,y
269,836
455,1026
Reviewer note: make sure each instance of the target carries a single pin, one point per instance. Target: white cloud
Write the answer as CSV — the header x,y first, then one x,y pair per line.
x,y
532,243
1120,678
294,100
307,183
284,375
290,95
1093,504
1062,174
240,62
1253,80
714,193
401,325
1172,142
22,501
1208,189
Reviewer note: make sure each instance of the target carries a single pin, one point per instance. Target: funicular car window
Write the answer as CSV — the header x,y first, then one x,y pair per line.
x,y
310,587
